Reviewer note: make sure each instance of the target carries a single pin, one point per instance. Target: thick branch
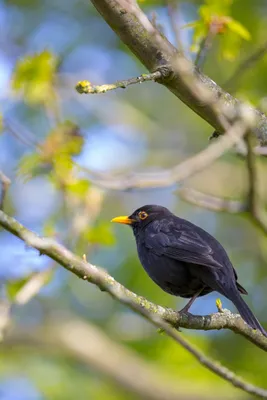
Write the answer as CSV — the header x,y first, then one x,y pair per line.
x,y
105,282
157,53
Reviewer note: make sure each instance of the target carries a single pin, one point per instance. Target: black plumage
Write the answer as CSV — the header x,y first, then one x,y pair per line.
x,y
184,260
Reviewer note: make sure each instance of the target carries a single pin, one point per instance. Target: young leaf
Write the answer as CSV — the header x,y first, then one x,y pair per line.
x,y
33,77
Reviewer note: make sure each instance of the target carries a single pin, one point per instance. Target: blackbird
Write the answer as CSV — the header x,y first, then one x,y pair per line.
x,y
184,260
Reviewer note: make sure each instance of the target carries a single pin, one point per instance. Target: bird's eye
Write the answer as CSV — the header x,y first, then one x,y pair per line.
x,y
142,215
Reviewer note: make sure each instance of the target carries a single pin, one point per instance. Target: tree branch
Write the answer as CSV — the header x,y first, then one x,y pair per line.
x,y
212,202
157,315
157,54
87,88
105,282
255,205
5,182
181,171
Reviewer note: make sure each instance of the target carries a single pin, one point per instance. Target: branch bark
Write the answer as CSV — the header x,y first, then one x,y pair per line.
x,y
105,282
157,53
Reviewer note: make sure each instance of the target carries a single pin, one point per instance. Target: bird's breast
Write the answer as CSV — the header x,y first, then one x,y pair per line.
x,y
171,275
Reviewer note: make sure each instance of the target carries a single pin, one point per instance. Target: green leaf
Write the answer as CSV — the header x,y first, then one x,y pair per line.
x,y
230,46
33,77
29,166
101,234
239,29
79,188
62,165
218,7
215,15
13,287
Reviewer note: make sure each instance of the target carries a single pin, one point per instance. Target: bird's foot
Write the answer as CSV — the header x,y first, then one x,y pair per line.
x,y
185,309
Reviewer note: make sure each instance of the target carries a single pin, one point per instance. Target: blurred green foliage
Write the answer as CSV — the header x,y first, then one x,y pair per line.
x,y
215,19
34,76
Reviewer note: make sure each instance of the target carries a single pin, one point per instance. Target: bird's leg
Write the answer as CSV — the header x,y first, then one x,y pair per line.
x,y
185,309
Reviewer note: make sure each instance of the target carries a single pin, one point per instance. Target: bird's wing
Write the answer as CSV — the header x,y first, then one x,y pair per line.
x,y
184,245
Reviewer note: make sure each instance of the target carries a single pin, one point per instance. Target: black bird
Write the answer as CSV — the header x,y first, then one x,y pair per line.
x,y
184,260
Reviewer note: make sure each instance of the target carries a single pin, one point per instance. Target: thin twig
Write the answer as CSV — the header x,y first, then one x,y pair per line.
x,y
254,203
87,88
155,314
5,182
176,174
20,133
210,202
232,82
33,286
204,48
172,8
30,289
105,282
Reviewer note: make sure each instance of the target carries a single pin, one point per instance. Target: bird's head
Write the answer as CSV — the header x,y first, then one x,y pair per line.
x,y
143,216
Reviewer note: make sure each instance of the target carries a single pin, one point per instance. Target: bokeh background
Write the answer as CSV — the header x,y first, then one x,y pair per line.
x,y
55,144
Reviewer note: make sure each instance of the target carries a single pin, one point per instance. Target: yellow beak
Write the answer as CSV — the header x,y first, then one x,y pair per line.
x,y
123,220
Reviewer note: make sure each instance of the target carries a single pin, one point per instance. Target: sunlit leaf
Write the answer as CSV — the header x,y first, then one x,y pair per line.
x,y
33,77
62,164
65,138
230,46
29,166
79,188
239,29
101,234
13,287
215,19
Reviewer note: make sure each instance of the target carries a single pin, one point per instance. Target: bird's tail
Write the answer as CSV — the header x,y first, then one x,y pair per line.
x,y
246,313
